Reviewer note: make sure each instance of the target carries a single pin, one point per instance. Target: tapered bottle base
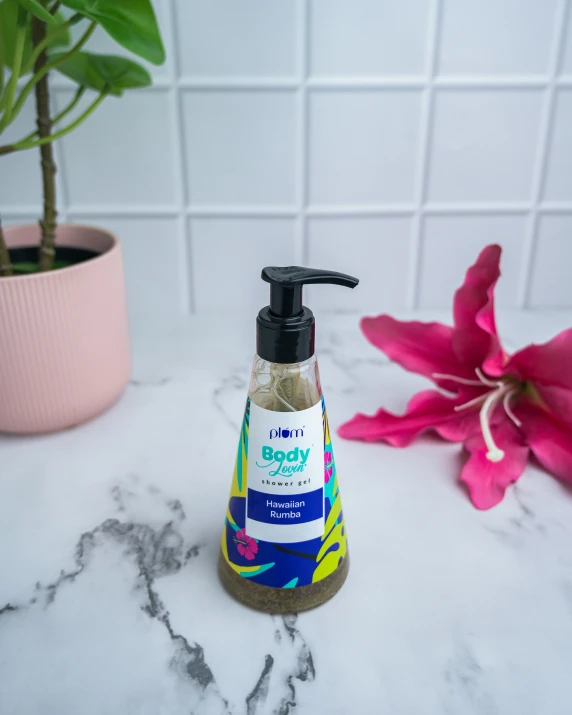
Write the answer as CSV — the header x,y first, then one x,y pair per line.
x,y
282,600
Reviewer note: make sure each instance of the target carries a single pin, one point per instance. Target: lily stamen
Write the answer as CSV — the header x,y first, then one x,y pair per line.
x,y
485,380
495,454
501,390
454,378
508,409
471,403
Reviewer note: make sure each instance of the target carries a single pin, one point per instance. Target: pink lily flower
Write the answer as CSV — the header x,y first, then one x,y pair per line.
x,y
504,408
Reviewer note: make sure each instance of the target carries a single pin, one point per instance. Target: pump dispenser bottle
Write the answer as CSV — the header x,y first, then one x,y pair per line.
x,y
284,543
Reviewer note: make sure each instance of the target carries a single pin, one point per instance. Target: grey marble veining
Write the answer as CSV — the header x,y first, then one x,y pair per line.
x,y
109,535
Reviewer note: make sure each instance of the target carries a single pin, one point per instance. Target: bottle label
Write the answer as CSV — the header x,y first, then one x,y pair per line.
x,y
284,524
285,494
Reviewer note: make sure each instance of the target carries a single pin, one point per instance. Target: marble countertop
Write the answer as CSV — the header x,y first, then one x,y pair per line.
x,y
109,536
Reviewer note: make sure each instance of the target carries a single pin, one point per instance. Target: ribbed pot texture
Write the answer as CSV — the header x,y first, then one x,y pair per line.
x,y
65,353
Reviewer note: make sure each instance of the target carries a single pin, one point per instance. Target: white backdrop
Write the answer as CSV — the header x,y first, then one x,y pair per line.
x,y
388,138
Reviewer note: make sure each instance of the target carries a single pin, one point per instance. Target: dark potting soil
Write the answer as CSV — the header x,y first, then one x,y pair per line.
x,y
24,259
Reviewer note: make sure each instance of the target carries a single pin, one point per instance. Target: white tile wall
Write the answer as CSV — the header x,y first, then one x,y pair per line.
x,y
484,145
372,164
121,159
153,282
558,185
495,37
240,147
367,38
372,239
20,178
450,244
248,38
390,139
553,258
566,60
235,249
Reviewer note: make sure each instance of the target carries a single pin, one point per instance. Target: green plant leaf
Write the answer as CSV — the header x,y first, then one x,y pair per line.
x,y
104,73
8,23
25,268
34,7
131,23
2,61
8,15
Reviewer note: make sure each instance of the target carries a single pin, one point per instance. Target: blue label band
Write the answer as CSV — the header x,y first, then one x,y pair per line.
x,y
285,509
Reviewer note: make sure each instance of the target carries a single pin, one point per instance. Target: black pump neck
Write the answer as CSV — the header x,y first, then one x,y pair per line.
x,y
285,328
285,301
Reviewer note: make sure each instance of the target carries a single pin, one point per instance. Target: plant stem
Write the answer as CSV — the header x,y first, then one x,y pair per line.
x,y
55,7
8,98
58,118
21,145
47,250
71,106
5,265
50,66
40,47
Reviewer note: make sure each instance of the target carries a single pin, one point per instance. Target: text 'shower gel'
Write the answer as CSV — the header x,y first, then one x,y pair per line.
x,y
284,544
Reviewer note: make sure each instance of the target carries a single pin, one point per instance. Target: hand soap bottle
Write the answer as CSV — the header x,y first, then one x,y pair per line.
x,y
284,543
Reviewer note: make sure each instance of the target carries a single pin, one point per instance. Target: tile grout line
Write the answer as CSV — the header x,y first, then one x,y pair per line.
x,y
61,182
423,166
350,83
300,237
187,297
541,159
315,211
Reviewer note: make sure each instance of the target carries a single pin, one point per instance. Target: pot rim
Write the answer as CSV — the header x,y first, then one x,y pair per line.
x,y
84,265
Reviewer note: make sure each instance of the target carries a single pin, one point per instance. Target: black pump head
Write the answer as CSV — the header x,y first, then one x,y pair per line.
x,y
286,286
285,328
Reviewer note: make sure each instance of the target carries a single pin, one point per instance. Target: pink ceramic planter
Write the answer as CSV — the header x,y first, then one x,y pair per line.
x,y
64,337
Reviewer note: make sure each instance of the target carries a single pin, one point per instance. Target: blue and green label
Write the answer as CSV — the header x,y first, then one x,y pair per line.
x,y
284,524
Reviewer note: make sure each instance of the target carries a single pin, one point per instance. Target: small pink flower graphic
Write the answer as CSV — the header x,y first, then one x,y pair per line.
x,y
328,466
246,545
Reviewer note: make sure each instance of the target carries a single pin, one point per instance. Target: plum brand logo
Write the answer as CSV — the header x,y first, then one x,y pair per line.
x,y
287,433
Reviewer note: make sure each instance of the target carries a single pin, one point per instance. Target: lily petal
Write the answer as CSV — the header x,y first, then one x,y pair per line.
x,y
547,364
476,339
487,481
424,348
549,437
558,401
427,410
496,357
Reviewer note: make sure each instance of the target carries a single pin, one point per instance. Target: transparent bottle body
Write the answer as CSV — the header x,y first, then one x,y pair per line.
x,y
284,388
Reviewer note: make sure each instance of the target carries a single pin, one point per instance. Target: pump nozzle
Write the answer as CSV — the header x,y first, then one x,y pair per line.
x,y
286,286
286,328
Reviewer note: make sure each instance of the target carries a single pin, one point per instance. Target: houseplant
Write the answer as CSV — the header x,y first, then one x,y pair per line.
x,y
64,345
